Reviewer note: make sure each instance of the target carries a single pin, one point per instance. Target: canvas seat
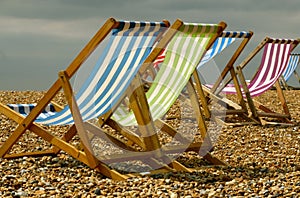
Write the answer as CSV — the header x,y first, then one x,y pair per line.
x,y
211,91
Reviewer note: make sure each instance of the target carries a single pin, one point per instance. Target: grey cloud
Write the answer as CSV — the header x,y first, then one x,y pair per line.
x,y
72,9
69,24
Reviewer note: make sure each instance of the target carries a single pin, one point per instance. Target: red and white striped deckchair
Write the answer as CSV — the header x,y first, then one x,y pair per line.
x,y
274,60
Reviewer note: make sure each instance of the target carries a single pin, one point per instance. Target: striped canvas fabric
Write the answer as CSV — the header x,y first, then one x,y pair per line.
x,y
274,61
128,47
160,58
222,42
292,65
24,109
182,55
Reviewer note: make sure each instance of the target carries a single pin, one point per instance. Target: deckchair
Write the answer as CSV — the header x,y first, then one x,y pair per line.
x,y
182,55
129,45
291,69
222,42
274,60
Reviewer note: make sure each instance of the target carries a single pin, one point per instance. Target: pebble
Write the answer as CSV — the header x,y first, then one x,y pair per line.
x,y
263,161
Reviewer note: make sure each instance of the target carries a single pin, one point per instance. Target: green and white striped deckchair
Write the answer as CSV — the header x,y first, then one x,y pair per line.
x,y
226,39
182,55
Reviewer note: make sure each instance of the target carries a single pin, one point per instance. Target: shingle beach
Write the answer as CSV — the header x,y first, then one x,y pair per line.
x,y
263,161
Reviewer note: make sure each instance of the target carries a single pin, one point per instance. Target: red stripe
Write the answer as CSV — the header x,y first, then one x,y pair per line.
x,y
160,58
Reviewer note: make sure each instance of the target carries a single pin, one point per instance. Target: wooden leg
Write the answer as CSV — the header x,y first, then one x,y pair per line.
x,y
282,99
200,92
67,137
247,93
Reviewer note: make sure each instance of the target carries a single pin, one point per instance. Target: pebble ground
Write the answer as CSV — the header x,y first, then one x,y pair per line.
x,y
263,161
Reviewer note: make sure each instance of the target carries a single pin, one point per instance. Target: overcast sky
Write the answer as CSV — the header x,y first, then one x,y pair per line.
x,y
40,37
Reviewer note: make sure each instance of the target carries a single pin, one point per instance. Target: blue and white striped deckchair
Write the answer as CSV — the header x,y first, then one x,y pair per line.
x,y
291,68
223,41
130,42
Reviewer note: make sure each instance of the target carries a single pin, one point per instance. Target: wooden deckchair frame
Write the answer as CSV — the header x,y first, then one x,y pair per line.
x,y
285,116
27,123
206,94
194,99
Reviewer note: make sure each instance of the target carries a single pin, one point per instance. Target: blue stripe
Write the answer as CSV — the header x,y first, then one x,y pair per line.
x,y
234,34
214,47
223,44
52,109
22,109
